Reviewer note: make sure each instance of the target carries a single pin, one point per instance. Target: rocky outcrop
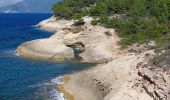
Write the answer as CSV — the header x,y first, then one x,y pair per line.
x,y
98,48
49,25
52,48
53,25
115,80
156,77
137,74
125,74
91,42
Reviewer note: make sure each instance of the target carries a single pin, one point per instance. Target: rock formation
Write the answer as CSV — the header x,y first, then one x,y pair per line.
x,y
156,76
93,44
135,73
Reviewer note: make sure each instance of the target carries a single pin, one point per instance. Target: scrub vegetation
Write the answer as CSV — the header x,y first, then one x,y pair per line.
x,y
135,21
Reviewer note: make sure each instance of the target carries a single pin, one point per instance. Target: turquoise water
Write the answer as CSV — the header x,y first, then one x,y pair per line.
x,y
24,79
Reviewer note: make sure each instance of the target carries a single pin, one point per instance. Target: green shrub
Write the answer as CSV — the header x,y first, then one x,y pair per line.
x,y
94,22
79,22
108,33
143,20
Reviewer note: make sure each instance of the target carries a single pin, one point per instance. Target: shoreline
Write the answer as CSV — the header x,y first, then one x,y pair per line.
x,y
104,82
120,73
92,84
61,88
94,45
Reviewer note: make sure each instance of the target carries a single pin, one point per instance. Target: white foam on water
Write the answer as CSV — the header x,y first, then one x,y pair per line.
x,y
50,89
57,80
55,94
10,52
37,85
16,54
34,26
37,28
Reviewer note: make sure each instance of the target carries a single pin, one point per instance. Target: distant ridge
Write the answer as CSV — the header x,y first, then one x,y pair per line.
x,y
30,6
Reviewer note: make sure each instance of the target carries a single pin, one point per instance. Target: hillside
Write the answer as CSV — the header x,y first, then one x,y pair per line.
x,y
141,73
30,6
139,22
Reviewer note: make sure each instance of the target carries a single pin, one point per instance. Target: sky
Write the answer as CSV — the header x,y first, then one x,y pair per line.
x,y
8,2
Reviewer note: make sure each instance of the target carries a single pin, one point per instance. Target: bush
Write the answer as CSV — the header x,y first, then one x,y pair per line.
x,y
94,22
144,20
108,33
79,22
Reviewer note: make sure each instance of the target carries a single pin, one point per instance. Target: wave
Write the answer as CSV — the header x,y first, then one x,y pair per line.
x,y
49,90
36,27
57,80
55,94
15,53
10,53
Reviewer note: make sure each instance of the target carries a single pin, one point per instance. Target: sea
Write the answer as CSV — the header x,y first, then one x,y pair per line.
x,y
26,79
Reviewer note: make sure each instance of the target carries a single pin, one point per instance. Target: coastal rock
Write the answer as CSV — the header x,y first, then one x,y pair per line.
x,y
49,25
53,25
156,77
115,80
50,48
98,48
125,74
93,45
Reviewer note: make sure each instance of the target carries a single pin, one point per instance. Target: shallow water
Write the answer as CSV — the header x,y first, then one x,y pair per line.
x,y
24,79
